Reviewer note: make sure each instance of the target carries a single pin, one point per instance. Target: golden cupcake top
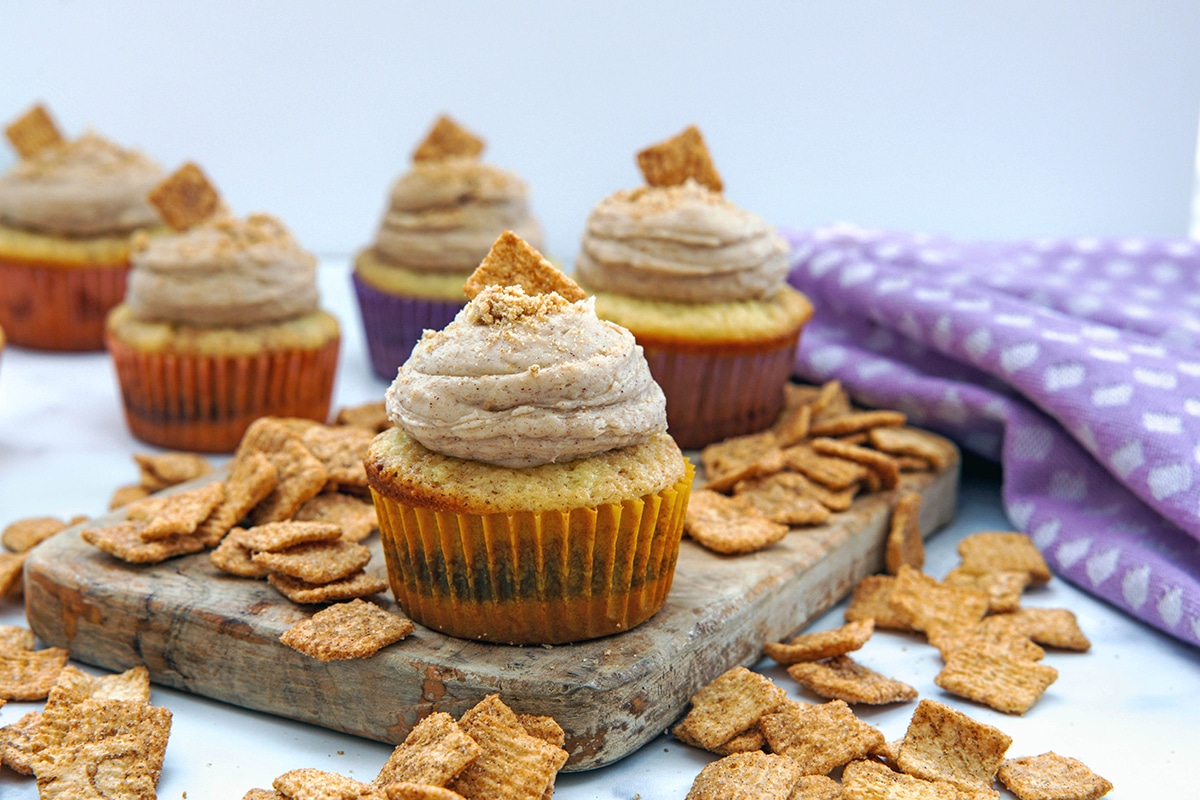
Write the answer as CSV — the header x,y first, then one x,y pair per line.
x,y
447,209
524,375
87,186
678,238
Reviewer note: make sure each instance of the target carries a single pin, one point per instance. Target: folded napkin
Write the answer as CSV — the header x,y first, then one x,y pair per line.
x,y
1075,363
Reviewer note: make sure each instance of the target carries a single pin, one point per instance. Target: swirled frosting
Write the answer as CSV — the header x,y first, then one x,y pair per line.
x,y
224,272
444,215
85,187
520,380
684,243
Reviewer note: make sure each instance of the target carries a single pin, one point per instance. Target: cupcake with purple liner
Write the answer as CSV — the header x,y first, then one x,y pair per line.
x,y
442,217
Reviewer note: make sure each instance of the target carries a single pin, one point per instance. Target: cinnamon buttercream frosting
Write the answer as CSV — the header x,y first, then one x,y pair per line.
x,y
683,243
520,380
224,272
444,215
85,187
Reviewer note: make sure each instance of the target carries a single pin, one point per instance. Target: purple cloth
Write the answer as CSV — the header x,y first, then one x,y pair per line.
x,y
1075,363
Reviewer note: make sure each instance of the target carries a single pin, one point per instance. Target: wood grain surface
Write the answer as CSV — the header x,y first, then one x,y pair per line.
x,y
212,634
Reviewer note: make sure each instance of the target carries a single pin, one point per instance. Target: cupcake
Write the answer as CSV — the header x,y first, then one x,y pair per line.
x,y
443,216
220,325
528,492
67,209
701,284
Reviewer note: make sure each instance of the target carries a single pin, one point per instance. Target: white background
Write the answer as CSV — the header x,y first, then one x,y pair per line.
x,y
992,118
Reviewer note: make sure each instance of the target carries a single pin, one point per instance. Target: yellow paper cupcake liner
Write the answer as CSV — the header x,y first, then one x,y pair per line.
x,y
530,577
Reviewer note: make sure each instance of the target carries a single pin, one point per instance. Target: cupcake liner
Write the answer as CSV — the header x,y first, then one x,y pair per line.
x,y
394,324
201,402
58,308
712,396
534,578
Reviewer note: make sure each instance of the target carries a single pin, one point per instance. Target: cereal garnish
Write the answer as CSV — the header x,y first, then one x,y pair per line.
x,y
757,775
881,465
356,629
675,160
906,441
843,678
856,422
1003,587
922,602
435,751
302,476
447,139
30,674
303,784
871,599
514,262
1053,627
186,198
727,706
132,685
1052,777
820,737
822,644
995,679
420,791
12,566
17,743
729,525
250,479
740,457
371,416
944,744
33,132
834,473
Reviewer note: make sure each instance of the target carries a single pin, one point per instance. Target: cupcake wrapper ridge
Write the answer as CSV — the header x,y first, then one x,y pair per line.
x,y
58,308
394,324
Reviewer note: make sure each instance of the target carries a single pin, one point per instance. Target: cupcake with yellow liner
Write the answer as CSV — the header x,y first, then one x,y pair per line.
x,y
220,325
442,217
702,285
67,210
528,492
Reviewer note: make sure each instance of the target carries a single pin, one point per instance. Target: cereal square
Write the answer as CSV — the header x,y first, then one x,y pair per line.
x,y
729,705
746,776
822,644
821,737
843,678
944,744
995,679
673,161
1052,777
435,751
356,629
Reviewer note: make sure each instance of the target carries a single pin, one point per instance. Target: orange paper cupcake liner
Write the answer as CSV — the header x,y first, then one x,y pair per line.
x,y
205,403
58,308
535,578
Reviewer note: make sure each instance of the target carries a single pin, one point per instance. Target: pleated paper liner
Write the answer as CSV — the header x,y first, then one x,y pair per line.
x,y
535,578
58,308
394,324
205,403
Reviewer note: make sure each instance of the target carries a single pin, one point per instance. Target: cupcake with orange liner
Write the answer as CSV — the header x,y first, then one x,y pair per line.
x,y
442,217
67,210
528,492
220,325
702,285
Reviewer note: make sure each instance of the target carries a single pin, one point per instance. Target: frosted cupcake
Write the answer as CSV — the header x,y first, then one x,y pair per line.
x,y
220,325
529,492
67,210
442,218
701,284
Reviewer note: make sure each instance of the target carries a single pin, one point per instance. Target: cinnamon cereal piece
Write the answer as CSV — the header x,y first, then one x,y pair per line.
x,y
944,744
17,743
834,473
793,424
316,784
435,751
673,161
820,738
447,139
233,556
904,542
275,537
14,639
740,457
302,476
908,441
870,779
843,678
30,674
511,765
356,629
880,464
923,602
182,513
996,551
420,791
341,451
1003,588
872,600
124,541
162,470
24,534
1053,627
995,679
1052,777
251,478
370,416
746,776
33,132
316,562
514,262
831,401
356,518
822,644
834,500
132,685
729,525
996,635
12,567
857,422
783,498
544,728
359,584
186,198
264,794
816,787
491,706
124,495
730,704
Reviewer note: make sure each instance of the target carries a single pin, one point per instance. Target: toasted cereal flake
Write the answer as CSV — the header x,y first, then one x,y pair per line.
x,y
491,706
911,463
372,416
673,161
182,513
359,584
264,794
831,401
819,737
906,441
514,262
124,495
833,499
356,629
447,139
729,525
857,422
512,765
870,780
12,567
1052,627
745,742
782,498
944,744
161,470
356,517
316,562
1052,777
995,634
728,705
316,784
793,423
995,551
15,639
822,644
816,787
250,479
995,679
30,674
904,542
843,678
133,684
887,751
871,599
16,743
881,465
923,602
24,534
831,472
746,776
434,752
543,727
186,198
301,474
418,791
341,450
33,132
1004,588
124,541
233,556
740,457
275,537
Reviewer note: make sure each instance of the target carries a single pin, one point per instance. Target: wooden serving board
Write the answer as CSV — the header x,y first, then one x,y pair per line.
x,y
209,633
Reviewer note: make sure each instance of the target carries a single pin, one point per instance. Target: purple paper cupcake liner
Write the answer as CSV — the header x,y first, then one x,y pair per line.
x,y
394,324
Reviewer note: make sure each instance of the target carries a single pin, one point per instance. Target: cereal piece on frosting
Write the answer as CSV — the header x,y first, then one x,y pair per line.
x,y
186,198
447,139
675,160
33,132
514,262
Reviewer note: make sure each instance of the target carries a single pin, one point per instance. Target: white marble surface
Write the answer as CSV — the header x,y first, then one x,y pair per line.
x,y
1130,708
